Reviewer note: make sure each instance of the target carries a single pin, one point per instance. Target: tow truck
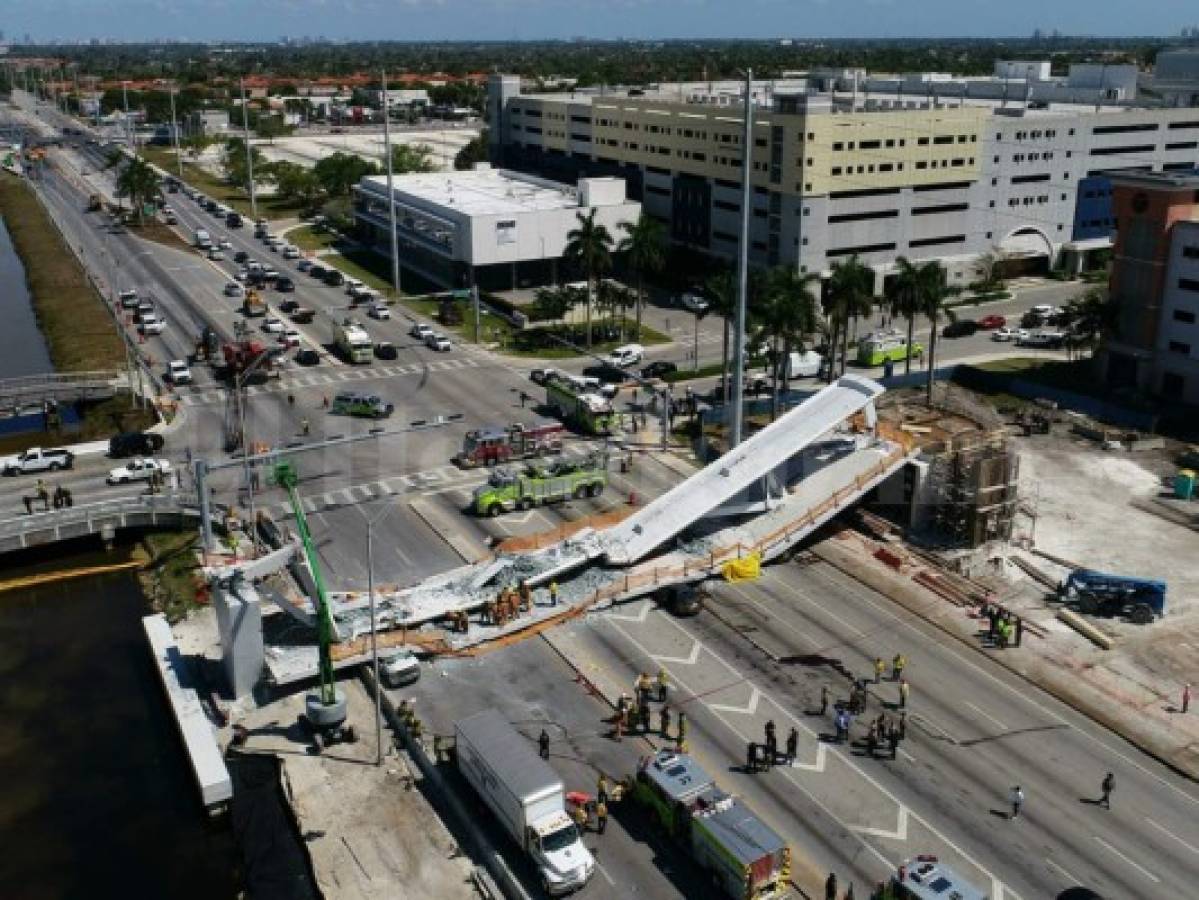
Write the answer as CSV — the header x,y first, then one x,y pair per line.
x,y
743,855
539,484
253,304
494,445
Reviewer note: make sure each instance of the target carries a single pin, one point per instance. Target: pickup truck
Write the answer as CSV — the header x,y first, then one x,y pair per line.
x,y
526,796
35,459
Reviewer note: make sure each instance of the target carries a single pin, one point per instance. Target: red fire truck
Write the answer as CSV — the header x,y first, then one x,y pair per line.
x,y
495,445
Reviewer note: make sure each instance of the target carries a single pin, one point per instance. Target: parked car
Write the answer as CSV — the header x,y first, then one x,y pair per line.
x,y
306,356
988,323
379,311
284,284
659,369
225,244
354,287
438,342
178,372
421,331
134,443
960,328
385,350
537,376
139,470
1048,340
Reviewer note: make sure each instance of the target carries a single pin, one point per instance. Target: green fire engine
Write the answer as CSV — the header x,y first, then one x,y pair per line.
x,y
541,483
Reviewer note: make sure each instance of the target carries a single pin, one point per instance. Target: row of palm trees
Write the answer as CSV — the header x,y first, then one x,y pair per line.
x,y
786,309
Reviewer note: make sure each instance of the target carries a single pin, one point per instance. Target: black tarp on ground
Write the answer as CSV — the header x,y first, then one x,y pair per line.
x,y
275,862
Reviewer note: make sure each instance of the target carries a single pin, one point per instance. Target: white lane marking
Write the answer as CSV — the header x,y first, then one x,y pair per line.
x,y
986,715
1171,834
604,872
1070,878
900,832
861,773
852,587
1116,852
637,618
690,660
748,709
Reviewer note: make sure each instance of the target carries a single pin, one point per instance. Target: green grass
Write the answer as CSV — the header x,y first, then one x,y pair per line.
x,y
169,577
306,239
268,207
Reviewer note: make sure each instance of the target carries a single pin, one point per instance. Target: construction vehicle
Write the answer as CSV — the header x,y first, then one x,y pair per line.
x,y
742,855
526,796
247,360
494,445
95,203
353,342
540,484
253,304
325,707
580,405
1101,594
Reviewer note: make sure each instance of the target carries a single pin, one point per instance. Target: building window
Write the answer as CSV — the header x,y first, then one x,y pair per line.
x,y
1179,347
1191,252
1188,284
1185,316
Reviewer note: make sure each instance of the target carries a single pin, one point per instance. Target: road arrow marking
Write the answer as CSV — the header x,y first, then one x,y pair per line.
x,y
688,660
899,834
747,710
817,766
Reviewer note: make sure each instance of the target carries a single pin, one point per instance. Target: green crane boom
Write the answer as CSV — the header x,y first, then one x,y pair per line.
x,y
287,477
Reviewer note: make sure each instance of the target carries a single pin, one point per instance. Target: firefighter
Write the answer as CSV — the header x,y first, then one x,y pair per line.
x,y
543,744
682,737
664,722
792,746
772,744
304,427
879,668
904,692
601,816
601,789
751,757
643,689
663,685
580,817
897,666
553,593
644,710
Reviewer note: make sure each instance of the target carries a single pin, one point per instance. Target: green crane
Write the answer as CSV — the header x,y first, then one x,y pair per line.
x,y
326,707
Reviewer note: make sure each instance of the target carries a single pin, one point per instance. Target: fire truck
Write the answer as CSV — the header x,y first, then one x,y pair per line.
x,y
495,445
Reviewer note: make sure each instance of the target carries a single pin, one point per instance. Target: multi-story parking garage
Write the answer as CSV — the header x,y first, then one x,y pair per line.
x,y
833,176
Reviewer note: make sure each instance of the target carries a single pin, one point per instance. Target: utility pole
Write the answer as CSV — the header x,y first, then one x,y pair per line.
x,y
175,134
747,144
391,200
245,123
128,122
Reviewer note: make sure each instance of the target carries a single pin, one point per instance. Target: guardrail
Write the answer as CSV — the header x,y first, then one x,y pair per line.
x,y
150,510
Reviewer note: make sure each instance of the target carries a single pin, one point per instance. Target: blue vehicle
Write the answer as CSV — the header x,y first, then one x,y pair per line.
x,y
1098,593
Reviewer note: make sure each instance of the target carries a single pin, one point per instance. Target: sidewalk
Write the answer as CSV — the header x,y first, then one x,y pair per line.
x,y
1102,686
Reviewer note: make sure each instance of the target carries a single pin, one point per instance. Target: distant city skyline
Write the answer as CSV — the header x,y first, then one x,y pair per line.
x,y
465,20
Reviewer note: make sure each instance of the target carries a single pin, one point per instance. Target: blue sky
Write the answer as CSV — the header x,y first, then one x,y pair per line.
x,y
528,19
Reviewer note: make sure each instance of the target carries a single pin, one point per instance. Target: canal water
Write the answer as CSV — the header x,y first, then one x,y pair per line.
x,y
98,800
23,350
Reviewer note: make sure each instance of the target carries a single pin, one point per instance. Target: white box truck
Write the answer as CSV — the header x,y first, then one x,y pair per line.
x,y
526,796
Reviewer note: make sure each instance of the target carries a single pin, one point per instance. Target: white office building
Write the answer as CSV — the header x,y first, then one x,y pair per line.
x,y
488,227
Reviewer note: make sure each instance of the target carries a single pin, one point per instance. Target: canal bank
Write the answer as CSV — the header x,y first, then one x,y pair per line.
x,y
98,798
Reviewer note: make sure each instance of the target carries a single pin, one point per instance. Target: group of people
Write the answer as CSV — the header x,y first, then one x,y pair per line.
x,y
508,604
1003,628
635,712
765,756
61,497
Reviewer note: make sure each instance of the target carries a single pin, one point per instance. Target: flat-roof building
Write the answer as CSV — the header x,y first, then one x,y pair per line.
x,y
491,227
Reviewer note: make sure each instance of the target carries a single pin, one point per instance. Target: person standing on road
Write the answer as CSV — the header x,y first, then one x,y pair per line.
x,y
904,692
682,738
1019,630
553,593
898,664
792,746
304,427
893,740
664,723
830,887
772,744
601,789
879,668
1017,799
601,817
823,700
1109,783
543,744
663,685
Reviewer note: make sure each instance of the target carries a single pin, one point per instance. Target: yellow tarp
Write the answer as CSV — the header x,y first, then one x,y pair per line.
x,y
746,568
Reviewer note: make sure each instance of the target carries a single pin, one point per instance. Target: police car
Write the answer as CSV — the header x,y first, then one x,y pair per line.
x,y
927,878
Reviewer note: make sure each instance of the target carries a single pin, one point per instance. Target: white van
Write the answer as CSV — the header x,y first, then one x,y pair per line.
x,y
203,238
804,365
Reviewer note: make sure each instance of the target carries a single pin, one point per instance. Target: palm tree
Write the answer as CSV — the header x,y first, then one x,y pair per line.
x,y
139,182
788,316
644,248
590,248
849,294
905,300
934,291
1089,317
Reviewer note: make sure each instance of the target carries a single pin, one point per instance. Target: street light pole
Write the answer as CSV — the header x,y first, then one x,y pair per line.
x,y
391,200
747,144
175,134
128,124
370,587
245,123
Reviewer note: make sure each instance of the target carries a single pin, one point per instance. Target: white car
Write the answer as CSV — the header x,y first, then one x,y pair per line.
x,y
128,299
290,338
354,287
693,302
215,253
151,324
138,470
233,289
420,331
1008,334
225,244
628,355
438,342
1043,310
290,252
178,372
273,326
241,274
270,273
379,311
